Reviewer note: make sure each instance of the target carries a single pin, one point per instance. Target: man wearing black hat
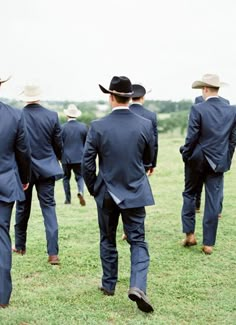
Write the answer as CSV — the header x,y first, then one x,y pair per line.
x,y
15,163
123,142
138,108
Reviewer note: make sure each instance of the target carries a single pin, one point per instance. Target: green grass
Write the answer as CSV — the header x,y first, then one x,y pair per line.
x,y
184,285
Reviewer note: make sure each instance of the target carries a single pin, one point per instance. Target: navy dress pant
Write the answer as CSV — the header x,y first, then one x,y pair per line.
x,y
213,200
5,252
67,168
45,191
199,194
133,223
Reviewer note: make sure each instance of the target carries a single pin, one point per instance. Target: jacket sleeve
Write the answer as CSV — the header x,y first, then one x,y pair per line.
x,y
155,132
57,139
89,161
85,133
148,153
22,151
232,141
193,133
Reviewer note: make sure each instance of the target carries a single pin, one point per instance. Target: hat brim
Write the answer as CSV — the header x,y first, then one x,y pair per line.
x,y
67,113
139,93
114,92
4,80
198,84
29,98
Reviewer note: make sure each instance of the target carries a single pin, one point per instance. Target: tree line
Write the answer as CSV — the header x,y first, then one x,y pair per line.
x,y
171,115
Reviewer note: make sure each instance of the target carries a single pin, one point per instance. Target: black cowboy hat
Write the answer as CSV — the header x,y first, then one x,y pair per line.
x,y
139,91
120,86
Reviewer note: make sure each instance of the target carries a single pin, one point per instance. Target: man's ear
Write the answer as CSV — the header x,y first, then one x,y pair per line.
x,y
111,98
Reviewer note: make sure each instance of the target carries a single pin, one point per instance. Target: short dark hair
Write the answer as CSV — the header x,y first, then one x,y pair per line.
x,y
121,100
213,88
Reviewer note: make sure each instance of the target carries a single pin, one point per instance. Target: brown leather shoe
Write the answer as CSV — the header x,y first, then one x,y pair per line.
x,y
4,305
208,250
124,237
137,295
19,251
190,240
105,291
81,199
53,260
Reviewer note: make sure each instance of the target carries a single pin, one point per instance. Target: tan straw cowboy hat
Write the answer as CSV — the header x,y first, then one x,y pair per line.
x,y
208,80
72,111
31,93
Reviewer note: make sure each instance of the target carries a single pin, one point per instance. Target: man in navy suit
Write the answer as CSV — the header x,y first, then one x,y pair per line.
x,y
137,107
46,146
207,153
138,99
14,179
73,135
200,99
123,142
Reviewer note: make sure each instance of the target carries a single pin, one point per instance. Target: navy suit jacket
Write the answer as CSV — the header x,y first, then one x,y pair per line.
x,y
142,111
45,140
73,135
123,142
14,154
211,135
200,99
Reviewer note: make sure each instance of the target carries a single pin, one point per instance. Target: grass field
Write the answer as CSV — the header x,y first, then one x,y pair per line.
x,y
184,285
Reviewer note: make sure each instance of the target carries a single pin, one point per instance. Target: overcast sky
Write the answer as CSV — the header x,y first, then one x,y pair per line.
x,y
72,46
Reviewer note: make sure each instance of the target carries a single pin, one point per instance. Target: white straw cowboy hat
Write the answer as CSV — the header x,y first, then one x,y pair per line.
x,y
208,80
72,111
31,93
4,80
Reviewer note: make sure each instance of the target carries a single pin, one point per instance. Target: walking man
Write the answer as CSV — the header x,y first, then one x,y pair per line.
x,y
200,99
207,153
14,179
138,99
73,135
46,146
123,142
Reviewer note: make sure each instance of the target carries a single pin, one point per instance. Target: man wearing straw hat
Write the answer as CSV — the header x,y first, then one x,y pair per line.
x,y
207,153
200,99
73,135
15,164
123,142
46,147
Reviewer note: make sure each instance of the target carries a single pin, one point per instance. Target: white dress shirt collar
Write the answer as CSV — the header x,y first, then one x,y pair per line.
x,y
119,107
212,97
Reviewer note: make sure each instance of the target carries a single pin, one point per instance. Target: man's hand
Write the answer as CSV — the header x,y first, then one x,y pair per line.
x,y
25,186
181,149
150,171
